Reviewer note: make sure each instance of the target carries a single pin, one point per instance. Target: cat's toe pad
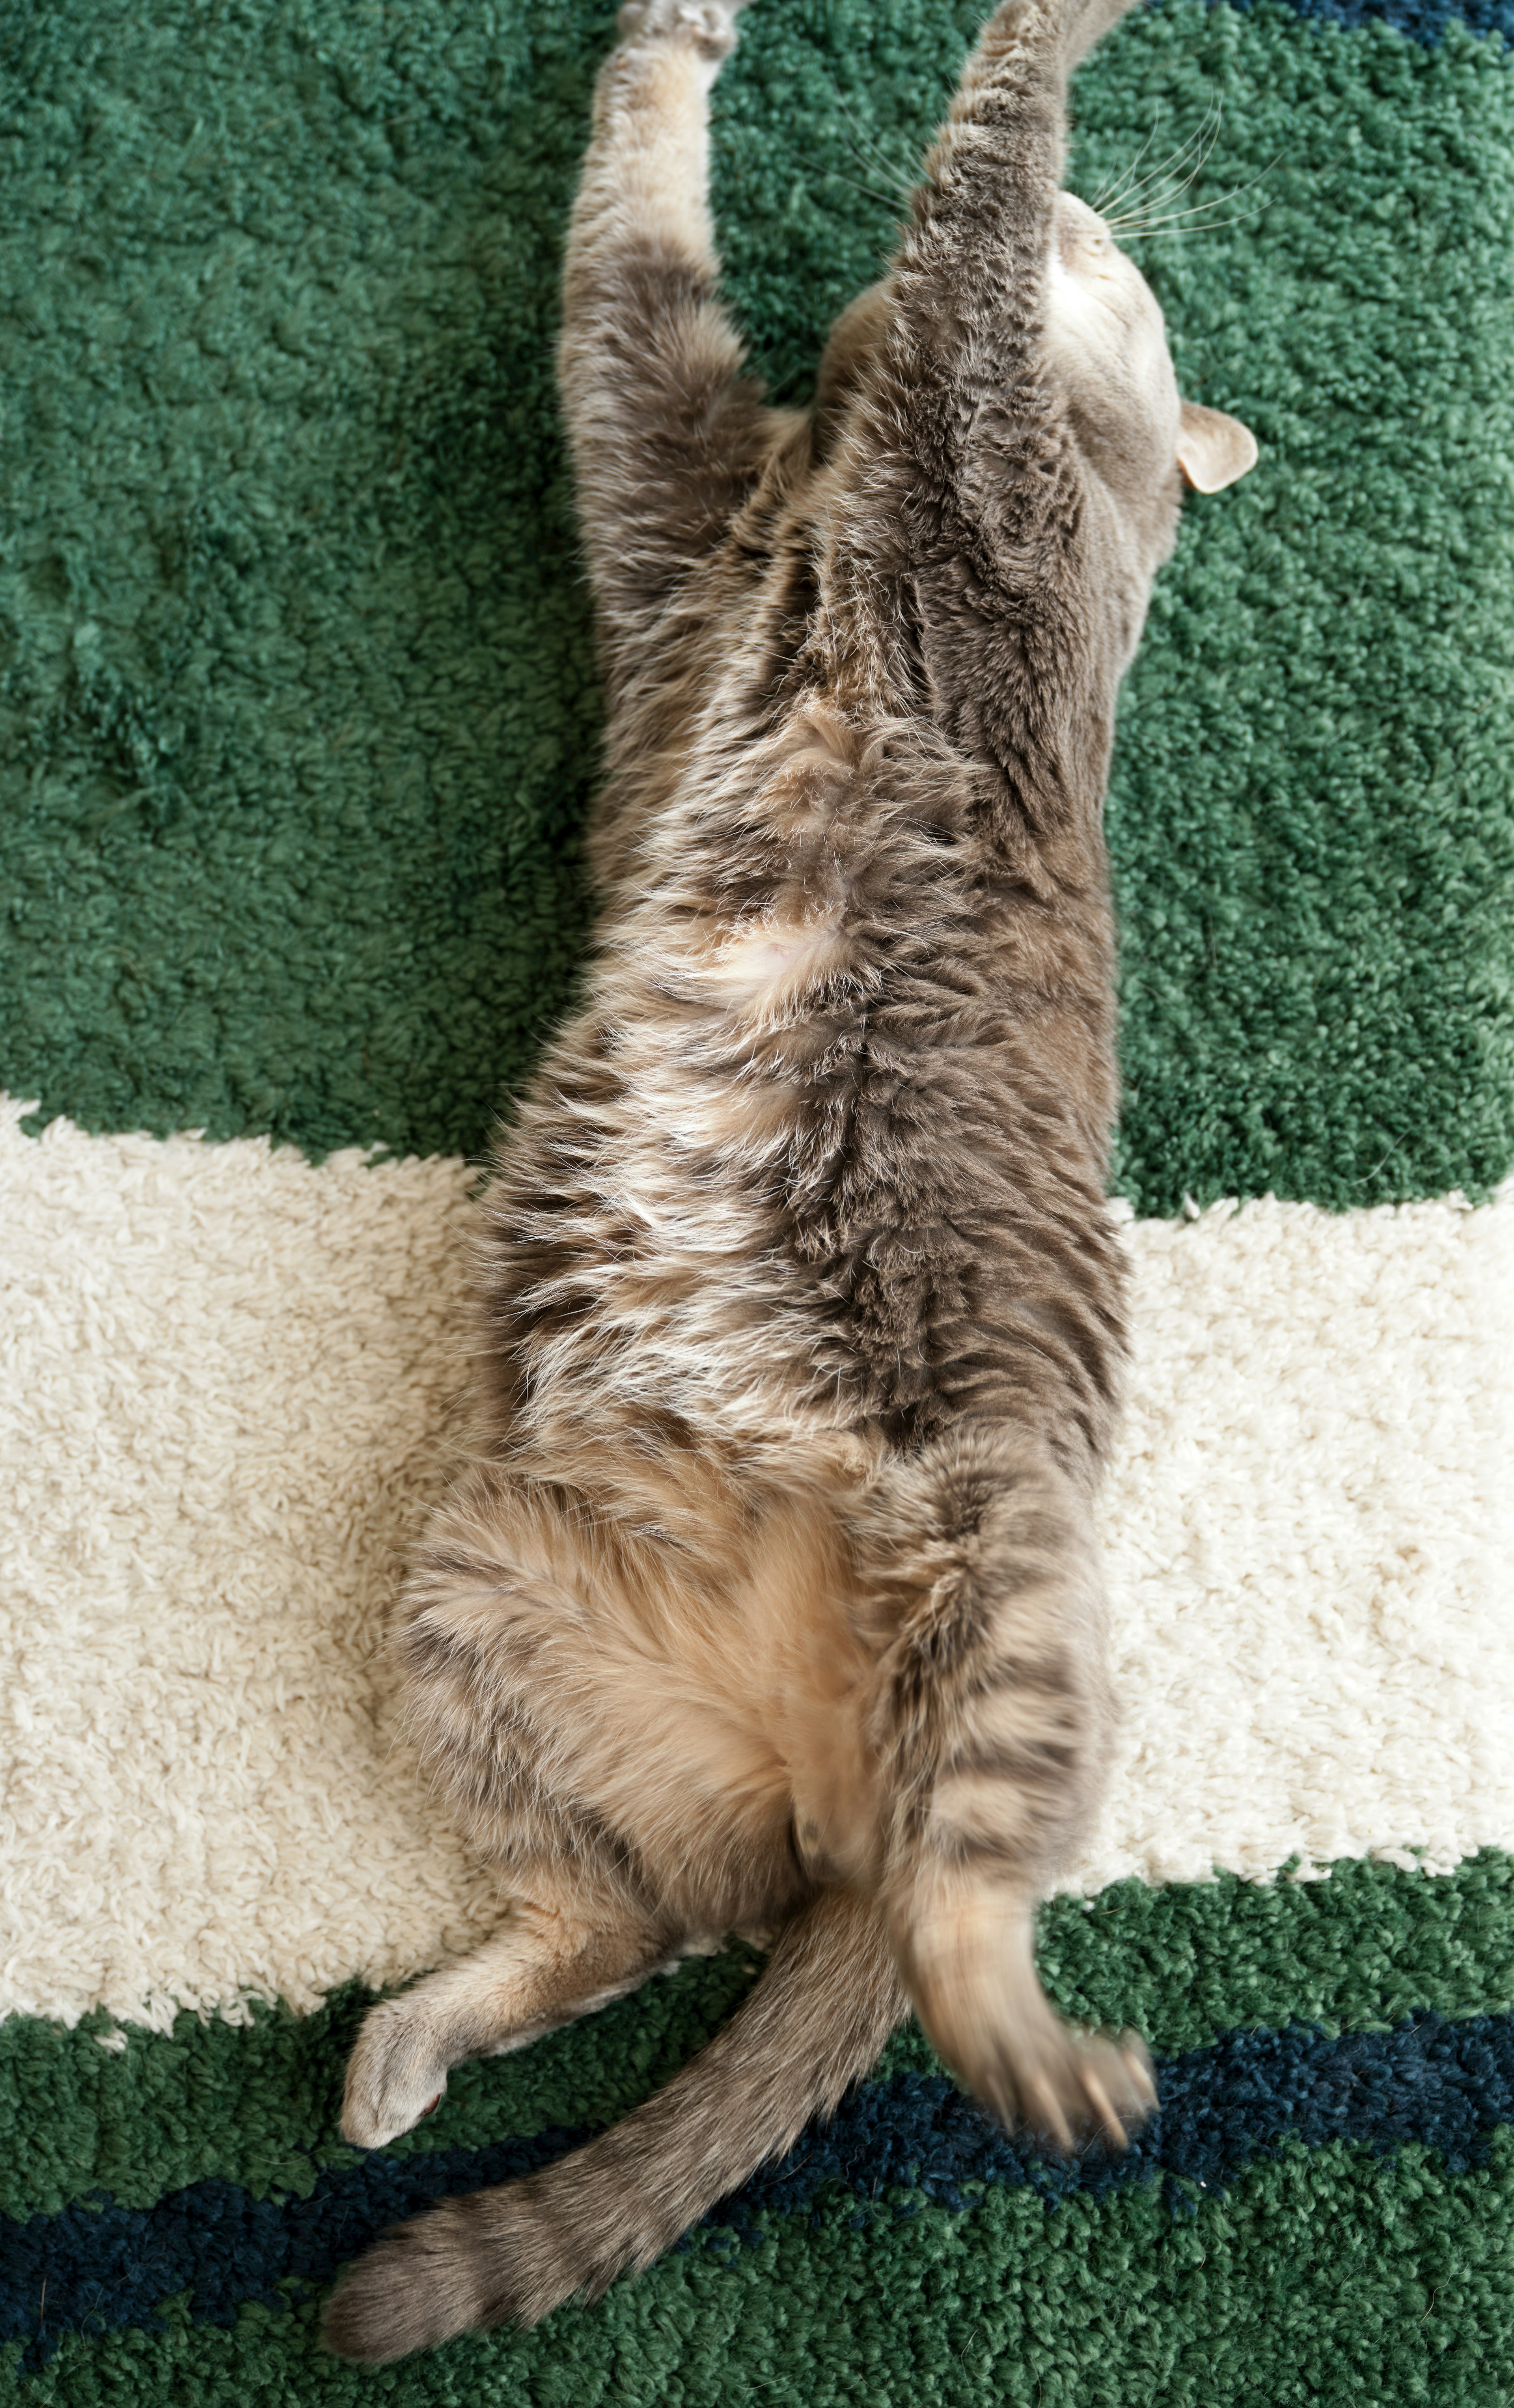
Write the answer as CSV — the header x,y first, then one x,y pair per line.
x,y
396,2076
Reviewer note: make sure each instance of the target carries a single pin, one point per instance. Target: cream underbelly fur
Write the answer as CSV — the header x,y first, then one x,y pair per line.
x,y
227,1390
715,1684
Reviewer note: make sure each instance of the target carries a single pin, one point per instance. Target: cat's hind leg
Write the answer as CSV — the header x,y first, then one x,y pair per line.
x,y
993,1722
569,1696
547,1963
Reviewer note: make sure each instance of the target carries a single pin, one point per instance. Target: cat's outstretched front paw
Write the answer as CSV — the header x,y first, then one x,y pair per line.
x,y
398,2072
708,24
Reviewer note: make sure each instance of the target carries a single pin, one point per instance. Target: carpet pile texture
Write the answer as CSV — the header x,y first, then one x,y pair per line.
x,y
298,728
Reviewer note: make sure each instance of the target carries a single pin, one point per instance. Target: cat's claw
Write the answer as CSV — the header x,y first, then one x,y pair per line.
x,y
394,2077
975,1990
1098,2092
1046,2113
1070,2090
1098,2099
1141,2069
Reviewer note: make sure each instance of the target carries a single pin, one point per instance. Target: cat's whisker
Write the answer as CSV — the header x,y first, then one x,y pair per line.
x,y
893,201
1139,222
878,162
1196,221
1140,204
900,190
1203,141
1212,225
1165,197
1111,186
1132,184
870,151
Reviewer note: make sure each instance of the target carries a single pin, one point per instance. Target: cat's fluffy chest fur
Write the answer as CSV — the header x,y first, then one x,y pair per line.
x,y
770,1595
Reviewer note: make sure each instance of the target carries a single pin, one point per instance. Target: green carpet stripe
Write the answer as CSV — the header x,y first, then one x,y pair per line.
x,y
1445,2085
298,706
1311,813
1331,2276
297,717
257,2105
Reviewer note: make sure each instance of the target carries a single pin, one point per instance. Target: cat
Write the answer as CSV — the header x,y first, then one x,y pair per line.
x,y
769,1598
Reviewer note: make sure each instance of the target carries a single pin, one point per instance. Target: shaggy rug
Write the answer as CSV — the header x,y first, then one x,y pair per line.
x,y
297,727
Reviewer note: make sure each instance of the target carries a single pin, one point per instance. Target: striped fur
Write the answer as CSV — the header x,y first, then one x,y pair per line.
x,y
769,1598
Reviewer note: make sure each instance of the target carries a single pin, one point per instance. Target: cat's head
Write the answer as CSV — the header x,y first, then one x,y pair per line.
x,y
1107,346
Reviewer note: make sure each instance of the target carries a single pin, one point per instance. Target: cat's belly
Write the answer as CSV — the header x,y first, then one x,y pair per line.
x,y
701,1704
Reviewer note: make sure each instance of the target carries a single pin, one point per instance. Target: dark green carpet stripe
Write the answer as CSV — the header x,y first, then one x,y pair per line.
x,y
257,2105
1331,2276
1311,814
296,714
296,692
1447,2086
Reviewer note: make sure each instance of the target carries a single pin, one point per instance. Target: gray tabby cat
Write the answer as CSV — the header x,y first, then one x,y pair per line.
x,y
770,1597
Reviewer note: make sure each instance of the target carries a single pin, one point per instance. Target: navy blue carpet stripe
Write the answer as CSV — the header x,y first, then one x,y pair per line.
x,y
1419,20
97,2266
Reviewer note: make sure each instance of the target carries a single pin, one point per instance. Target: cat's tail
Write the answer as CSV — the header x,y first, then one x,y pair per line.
x,y
812,2024
991,1727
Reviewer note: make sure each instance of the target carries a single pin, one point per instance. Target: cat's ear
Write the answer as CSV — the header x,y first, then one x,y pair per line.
x,y
1213,450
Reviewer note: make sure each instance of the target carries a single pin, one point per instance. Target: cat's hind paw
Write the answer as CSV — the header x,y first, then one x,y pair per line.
x,y
396,2075
973,1980
1070,2090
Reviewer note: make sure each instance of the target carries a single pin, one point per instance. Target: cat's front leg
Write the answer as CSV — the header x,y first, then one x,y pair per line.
x,y
543,1967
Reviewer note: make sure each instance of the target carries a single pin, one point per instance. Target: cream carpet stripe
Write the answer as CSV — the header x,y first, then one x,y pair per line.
x,y
222,1397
